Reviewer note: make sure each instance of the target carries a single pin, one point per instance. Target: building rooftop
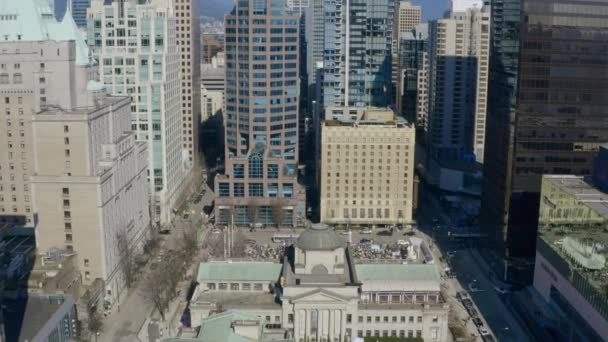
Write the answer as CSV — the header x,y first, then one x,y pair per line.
x,y
583,190
226,327
320,237
581,244
27,317
33,20
403,277
229,270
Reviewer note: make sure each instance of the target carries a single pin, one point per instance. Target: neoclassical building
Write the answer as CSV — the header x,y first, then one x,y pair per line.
x,y
318,293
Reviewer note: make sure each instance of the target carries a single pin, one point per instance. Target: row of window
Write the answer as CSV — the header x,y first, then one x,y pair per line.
x,y
256,190
236,286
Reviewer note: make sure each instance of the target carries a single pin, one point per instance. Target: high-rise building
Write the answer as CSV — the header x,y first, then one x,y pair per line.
x,y
188,44
27,84
357,40
458,71
58,7
261,119
72,160
407,16
412,61
374,156
212,87
554,122
211,45
136,48
79,11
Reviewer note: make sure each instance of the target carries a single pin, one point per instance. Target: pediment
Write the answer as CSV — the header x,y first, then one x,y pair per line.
x,y
319,296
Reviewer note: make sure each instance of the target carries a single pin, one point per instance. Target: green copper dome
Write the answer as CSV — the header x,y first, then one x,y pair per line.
x,y
319,237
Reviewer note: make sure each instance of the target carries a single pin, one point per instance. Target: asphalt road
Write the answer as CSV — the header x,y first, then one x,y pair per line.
x,y
469,266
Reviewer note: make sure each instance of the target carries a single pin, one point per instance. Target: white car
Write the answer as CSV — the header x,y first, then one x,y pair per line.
x,y
484,331
451,254
501,290
402,243
345,232
367,231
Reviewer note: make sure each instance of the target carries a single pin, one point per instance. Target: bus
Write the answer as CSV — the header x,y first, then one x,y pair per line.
x,y
286,238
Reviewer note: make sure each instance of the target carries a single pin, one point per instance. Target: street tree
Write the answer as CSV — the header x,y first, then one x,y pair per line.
x,y
278,213
127,258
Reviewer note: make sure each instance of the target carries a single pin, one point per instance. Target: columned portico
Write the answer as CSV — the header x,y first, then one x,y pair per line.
x,y
319,321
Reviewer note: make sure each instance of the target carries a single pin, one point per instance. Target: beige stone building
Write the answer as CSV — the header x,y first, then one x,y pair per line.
x,y
407,17
367,169
71,163
90,186
188,43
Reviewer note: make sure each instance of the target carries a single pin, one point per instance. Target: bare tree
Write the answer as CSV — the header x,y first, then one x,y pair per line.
x,y
94,320
253,212
160,286
238,245
278,213
127,258
189,241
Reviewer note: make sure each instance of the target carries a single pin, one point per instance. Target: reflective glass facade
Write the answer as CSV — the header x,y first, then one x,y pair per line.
x,y
548,108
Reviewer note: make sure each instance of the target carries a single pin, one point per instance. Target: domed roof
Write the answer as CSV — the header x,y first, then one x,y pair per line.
x,y
319,237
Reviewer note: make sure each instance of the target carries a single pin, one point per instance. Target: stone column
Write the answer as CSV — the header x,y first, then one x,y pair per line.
x,y
342,325
308,326
331,325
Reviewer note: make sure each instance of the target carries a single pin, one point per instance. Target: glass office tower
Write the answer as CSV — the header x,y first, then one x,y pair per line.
x,y
548,105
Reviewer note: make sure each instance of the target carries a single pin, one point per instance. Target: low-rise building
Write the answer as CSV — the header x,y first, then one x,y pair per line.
x,y
320,293
571,272
367,168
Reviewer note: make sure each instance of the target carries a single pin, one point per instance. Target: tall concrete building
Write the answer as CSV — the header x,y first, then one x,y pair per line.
x,y
90,180
188,44
212,87
411,81
553,123
29,81
367,169
261,119
458,71
72,161
357,41
138,55
79,11
408,16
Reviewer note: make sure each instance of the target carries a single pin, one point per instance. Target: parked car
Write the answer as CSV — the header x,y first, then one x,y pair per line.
x,y
367,231
501,290
477,321
484,331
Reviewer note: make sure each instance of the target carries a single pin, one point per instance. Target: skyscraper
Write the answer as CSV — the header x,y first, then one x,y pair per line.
x,y
72,160
458,67
79,11
554,122
261,120
407,17
188,44
358,35
136,48
412,60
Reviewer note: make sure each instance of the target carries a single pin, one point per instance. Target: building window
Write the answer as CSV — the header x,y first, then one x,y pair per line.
x,y
66,191
246,287
256,190
419,319
211,286
238,171
68,225
258,287
273,171
239,190
66,129
223,286
224,190
349,318
234,287
256,166
86,262
290,318
68,237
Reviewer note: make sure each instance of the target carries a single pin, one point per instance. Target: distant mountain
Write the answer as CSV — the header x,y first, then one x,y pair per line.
x,y
215,8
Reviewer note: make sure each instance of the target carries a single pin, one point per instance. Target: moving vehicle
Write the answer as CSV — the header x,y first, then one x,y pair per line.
x,y
367,231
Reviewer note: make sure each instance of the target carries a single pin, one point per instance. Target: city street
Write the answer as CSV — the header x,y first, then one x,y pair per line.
x,y
128,316
471,272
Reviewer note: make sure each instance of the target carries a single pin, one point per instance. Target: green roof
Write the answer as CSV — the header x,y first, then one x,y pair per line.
x,y
238,271
33,20
218,328
320,237
409,272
